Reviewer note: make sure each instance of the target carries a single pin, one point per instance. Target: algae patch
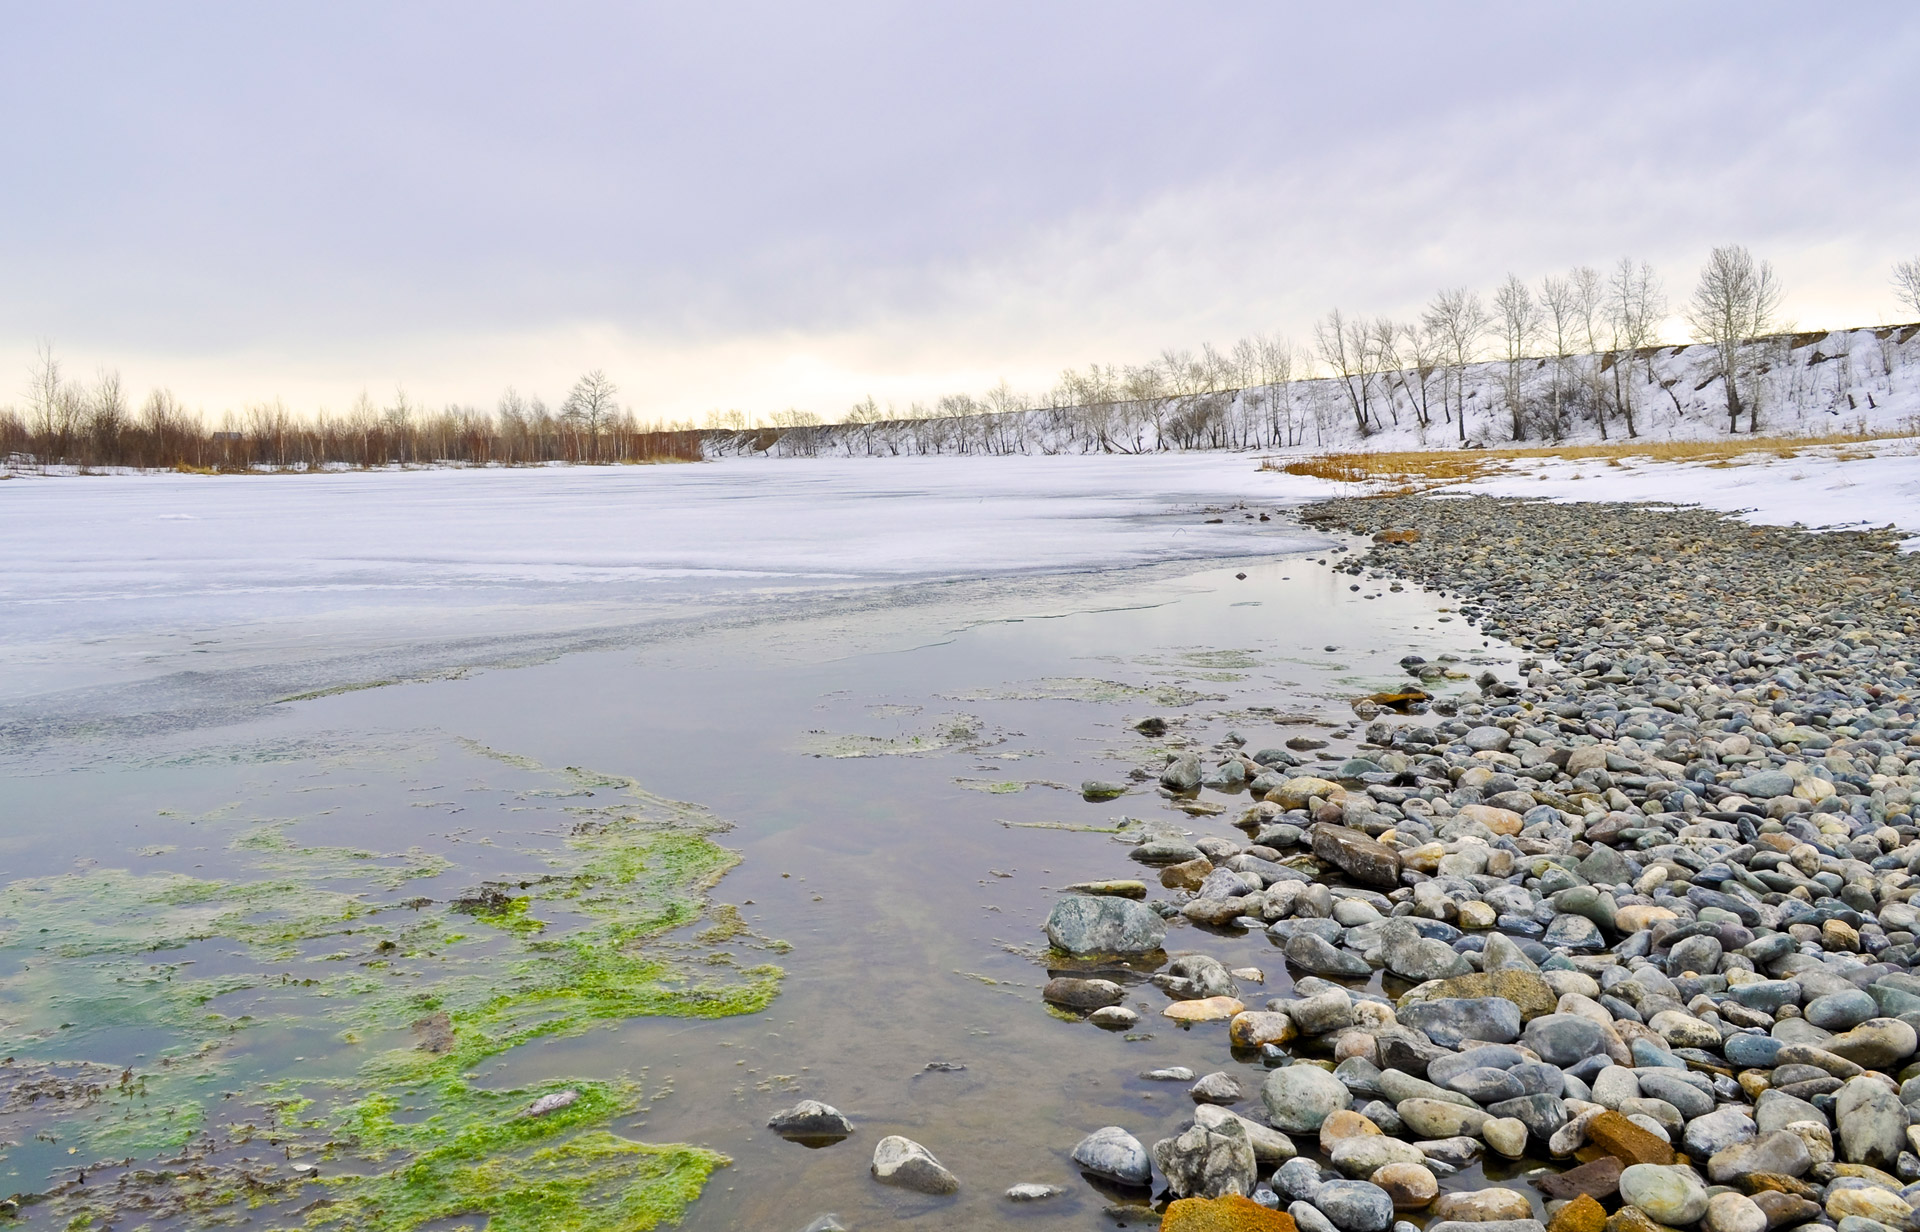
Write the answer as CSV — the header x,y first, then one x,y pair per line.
x,y
300,1030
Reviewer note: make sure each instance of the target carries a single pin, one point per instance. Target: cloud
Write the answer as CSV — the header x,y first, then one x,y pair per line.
x,y
770,206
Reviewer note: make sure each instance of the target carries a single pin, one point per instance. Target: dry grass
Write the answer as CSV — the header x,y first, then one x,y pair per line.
x,y
1407,472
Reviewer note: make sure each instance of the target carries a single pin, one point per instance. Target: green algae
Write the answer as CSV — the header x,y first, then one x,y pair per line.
x,y
309,934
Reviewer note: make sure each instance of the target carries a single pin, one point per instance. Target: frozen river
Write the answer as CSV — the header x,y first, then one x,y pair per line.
x,y
278,585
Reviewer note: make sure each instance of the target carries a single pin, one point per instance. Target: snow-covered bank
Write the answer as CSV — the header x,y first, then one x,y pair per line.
x,y
1807,384
1821,487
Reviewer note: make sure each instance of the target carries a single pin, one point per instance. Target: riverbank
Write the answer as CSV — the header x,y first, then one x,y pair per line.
x,y
1644,911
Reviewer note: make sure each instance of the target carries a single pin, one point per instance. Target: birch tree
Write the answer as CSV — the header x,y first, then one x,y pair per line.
x,y
1519,323
1636,304
1459,321
1735,301
1906,284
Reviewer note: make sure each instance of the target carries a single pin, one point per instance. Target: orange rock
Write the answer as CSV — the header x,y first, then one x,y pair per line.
x,y
1582,1214
1405,534
1344,1123
1627,1142
1229,1214
1211,1009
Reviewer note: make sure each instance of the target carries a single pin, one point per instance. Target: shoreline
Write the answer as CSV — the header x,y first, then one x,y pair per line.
x,y
1675,855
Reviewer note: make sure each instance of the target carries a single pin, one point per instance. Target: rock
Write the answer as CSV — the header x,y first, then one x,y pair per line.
x,y
1256,1027
1211,1159
1162,852
1270,1146
1871,1121
1627,1142
1116,1155
1182,773
1583,1214
1716,1131
1501,821
552,1102
905,1164
1206,1009
1784,1210
1541,1114
1300,1097
1028,1191
1667,1194
1765,785
1840,1010
1366,860
1322,1012
1615,1084
1362,1156
1732,1212
1684,1030
1562,1039
1172,1073
1485,1085
1410,1186
1186,875
1113,1017
1121,888
1298,1179
1450,1020
1598,1179
1421,959
1218,1087
1776,1152
1672,1086
1095,790
1355,1206
1076,994
1483,1206
1196,977
1319,956
1506,1135
1343,1124
1525,988
1308,1218
1877,1043
1490,1225
811,1119
1432,1118
1869,1202
1088,925
1775,1109
1229,1214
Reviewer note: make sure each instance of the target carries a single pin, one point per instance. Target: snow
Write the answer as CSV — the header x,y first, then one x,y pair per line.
x,y
103,576
1831,487
1855,381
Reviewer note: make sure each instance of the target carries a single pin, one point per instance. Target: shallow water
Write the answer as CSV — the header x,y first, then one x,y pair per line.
x,y
877,766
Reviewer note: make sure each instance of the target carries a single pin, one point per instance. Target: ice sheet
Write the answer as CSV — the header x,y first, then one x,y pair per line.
x,y
95,570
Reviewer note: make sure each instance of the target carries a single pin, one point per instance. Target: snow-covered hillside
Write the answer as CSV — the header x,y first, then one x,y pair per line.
x,y
1808,384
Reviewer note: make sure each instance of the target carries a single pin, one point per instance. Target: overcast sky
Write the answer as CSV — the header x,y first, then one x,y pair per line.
x,y
788,205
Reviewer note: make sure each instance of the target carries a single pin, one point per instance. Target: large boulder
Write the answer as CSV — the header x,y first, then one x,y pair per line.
x,y
1212,1158
1115,1155
1300,1097
905,1164
1085,925
1872,1123
1449,1020
1366,860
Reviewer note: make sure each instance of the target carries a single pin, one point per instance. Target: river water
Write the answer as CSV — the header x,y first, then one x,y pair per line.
x,y
897,748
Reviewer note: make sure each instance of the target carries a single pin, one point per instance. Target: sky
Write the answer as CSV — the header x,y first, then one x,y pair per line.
x,y
772,206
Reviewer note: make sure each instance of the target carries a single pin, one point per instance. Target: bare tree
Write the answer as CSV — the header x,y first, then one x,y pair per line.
x,y
1735,302
1906,284
1342,343
1459,321
1636,304
1583,285
1560,328
1519,323
590,404
1422,350
1383,357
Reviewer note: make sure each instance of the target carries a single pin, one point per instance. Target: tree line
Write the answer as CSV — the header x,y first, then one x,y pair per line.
x,y
1594,334
91,424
